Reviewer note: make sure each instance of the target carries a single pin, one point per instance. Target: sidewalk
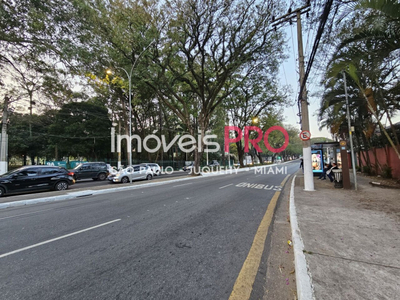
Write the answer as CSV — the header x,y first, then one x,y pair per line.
x,y
351,239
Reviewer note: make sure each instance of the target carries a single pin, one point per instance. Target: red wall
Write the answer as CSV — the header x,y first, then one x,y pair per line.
x,y
386,156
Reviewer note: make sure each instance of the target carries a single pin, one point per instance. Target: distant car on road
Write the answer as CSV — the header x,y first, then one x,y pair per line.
x,y
35,178
94,170
132,173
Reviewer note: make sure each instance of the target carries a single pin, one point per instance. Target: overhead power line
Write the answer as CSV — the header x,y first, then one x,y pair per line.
x,y
324,18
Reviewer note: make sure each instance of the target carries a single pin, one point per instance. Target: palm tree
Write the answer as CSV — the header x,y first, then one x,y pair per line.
x,y
368,52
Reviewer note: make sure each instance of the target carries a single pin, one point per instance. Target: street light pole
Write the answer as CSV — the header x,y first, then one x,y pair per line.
x,y
129,75
4,138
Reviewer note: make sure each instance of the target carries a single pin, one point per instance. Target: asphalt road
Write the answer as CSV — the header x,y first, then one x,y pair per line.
x,y
85,184
182,240
88,183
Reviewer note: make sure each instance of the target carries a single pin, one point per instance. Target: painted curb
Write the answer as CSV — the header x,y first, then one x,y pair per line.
x,y
303,277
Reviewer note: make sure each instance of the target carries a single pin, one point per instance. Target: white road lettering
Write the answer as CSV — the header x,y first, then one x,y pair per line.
x,y
259,186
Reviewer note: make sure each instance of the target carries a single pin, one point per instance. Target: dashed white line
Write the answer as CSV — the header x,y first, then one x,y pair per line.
x,y
182,184
58,238
34,212
222,187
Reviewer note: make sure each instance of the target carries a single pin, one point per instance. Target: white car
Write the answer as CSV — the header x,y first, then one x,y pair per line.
x,y
188,166
111,170
132,173
154,167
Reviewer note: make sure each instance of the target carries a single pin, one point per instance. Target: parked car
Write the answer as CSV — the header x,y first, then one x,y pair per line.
x,y
132,173
214,163
154,167
111,170
188,167
94,170
35,178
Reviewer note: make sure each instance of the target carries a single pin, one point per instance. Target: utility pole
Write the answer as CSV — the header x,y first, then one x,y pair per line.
x,y
353,161
4,138
305,123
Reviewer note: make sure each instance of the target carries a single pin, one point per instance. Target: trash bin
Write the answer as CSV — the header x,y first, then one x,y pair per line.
x,y
338,178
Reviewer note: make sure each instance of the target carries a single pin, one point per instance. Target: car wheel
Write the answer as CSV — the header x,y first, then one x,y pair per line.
x,y
61,186
2,192
102,176
125,180
149,177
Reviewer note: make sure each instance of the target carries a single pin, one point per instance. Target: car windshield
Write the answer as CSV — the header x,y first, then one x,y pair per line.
x,y
10,173
78,166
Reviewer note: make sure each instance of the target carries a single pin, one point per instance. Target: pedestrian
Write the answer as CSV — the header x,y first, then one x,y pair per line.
x,y
329,172
323,175
301,165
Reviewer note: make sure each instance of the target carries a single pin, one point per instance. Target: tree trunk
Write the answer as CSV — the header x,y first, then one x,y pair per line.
x,y
260,158
240,151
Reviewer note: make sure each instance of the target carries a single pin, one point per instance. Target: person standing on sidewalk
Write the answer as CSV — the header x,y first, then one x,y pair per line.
x,y
301,165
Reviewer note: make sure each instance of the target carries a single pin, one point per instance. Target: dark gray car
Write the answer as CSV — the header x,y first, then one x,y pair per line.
x,y
94,170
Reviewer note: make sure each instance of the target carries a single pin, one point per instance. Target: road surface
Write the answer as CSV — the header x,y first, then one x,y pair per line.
x,y
182,240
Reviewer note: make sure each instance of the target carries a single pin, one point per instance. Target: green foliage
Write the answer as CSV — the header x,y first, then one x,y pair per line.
x,y
367,52
386,171
23,141
81,129
367,170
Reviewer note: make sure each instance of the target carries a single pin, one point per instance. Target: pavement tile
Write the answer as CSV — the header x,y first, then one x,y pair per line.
x,y
351,247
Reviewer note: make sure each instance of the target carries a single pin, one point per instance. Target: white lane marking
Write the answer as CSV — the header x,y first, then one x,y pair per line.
x,y
56,239
34,212
182,184
222,187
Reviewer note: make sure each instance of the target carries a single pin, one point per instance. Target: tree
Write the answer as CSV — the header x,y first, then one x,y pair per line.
x,y
255,96
28,135
367,51
81,129
204,49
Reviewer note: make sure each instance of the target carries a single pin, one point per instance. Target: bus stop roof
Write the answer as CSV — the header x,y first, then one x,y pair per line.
x,y
325,145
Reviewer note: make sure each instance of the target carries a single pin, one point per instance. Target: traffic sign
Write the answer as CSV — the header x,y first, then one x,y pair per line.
x,y
305,135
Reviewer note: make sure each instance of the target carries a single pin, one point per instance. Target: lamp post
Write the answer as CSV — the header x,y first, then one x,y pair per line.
x,y
129,75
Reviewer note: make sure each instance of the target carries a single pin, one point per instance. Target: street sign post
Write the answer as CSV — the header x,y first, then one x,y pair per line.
x,y
305,135
345,165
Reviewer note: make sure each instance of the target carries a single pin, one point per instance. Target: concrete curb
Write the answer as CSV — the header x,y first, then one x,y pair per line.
x,y
303,277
